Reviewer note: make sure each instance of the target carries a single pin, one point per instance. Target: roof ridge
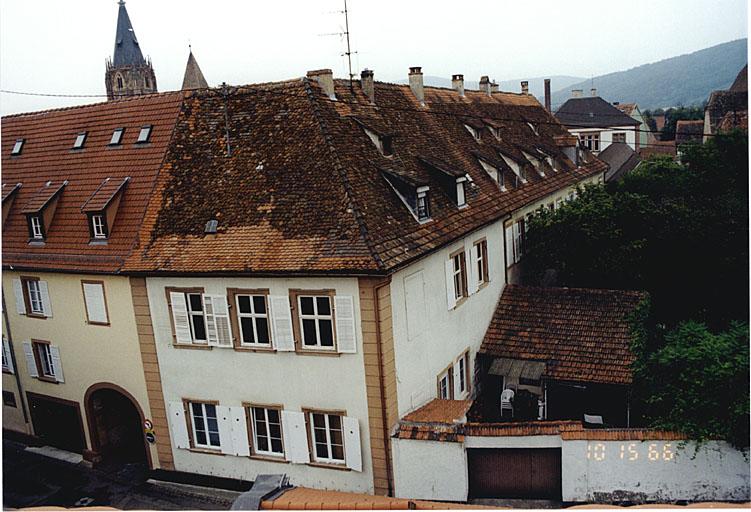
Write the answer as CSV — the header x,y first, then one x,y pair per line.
x,y
343,174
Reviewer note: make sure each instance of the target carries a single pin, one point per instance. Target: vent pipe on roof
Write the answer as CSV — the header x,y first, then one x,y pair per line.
x,y
457,83
415,83
577,93
325,79
548,103
367,84
593,92
525,87
485,84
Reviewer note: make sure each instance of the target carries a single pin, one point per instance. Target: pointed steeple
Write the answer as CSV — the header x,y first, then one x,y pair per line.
x,y
127,50
193,78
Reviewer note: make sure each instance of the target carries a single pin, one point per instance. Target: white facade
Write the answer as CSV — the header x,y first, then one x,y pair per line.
x,y
429,470
606,135
292,381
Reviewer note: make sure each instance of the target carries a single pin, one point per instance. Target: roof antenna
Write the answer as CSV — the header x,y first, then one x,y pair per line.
x,y
349,51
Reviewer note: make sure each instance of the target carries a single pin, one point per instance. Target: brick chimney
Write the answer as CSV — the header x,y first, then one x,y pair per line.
x,y
493,87
457,83
577,93
548,102
485,84
415,83
325,79
593,92
525,87
367,84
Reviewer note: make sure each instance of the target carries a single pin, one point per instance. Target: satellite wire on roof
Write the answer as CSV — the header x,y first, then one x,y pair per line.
x,y
349,51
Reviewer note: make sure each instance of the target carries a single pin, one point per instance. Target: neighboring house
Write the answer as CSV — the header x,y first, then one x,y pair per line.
x,y
728,109
330,267
658,147
597,123
632,110
621,159
686,133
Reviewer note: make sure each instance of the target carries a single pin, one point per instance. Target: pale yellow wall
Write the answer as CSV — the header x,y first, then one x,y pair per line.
x,y
90,354
13,416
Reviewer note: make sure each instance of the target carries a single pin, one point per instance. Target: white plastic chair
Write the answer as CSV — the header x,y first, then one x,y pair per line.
x,y
507,397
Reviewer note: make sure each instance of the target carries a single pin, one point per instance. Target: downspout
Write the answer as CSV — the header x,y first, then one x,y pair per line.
x,y
382,386
15,363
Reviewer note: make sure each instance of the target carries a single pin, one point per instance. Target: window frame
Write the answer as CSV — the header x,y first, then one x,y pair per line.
x,y
252,433
104,298
6,401
193,314
103,233
461,289
119,140
461,192
234,314
17,148
80,140
254,316
447,376
463,360
7,358
591,141
27,298
619,135
147,129
315,459
194,445
298,318
422,206
185,291
480,260
45,346
36,232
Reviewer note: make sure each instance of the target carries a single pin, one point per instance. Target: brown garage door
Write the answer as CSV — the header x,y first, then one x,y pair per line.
x,y
515,473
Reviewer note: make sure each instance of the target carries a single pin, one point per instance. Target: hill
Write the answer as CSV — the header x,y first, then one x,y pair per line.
x,y
683,80
536,85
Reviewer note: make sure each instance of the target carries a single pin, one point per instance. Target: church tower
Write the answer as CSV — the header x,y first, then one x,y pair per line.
x,y
128,73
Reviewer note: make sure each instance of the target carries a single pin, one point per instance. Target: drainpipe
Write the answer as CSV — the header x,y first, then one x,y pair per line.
x,y
14,359
382,385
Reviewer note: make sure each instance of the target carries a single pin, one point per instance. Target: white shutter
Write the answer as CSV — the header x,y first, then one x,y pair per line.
x,y
352,449
177,424
281,323
450,294
509,246
218,328
31,363
240,441
517,242
295,437
45,293
180,317
93,295
18,292
57,365
344,311
6,354
470,259
457,381
208,314
226,444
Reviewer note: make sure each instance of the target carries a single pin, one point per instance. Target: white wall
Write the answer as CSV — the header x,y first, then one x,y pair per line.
x,y
289,379
443,335
430,470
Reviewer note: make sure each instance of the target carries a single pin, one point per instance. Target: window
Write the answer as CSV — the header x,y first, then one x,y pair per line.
x,y
32,297
387,145
253,319
266,425
17,147
98,226
95,302
205,425
474,132
591,141
459,275
9,399
117,136
43,360
461,199
34,294
423,206
119,82
480,255
147,82
444,385
515,242
316,321
327,436
199,318
7,359
35,227
43,356
619,137
80,139
461,371
195,314
144,134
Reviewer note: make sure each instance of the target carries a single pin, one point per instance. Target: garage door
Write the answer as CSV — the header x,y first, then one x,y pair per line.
x,y
533,473
57,422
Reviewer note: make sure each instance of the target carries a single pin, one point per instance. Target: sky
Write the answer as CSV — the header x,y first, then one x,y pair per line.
x,y
60,47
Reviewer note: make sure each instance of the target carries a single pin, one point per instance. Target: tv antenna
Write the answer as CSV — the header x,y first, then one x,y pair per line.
x,y
345,33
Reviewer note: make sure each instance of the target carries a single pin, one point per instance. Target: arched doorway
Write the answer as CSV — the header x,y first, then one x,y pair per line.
x,y
116,426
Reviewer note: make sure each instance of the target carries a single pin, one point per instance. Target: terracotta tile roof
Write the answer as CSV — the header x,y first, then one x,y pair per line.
x,y
43,196
688,131
303,190
303,498
522,428
431,432
725,102
581,334
626,108
48,156
440,411
658,147
105,193
9,189
732,120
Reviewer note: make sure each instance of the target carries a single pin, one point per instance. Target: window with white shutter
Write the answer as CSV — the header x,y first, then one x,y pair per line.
x,y
199,318
95,302
266,427
472,277
32,297
344,312
180,320
315,321
7,358
178,425
252,317
204,423
509,245
352,447
295,437
31,364
479,262
326,434
216,313
445,390
282,331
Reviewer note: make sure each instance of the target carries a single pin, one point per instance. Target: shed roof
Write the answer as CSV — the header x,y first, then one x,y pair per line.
x,y
621,159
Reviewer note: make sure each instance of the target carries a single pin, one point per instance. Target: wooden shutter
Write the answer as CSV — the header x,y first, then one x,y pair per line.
x,y
93,295
450,293
281,323
486,258
218,328
295,437
240,441
177,425
7,355
180,317
509,246
226,444
457,381
18,292
352,449
31,363
471,265
45,293
344,311
57,365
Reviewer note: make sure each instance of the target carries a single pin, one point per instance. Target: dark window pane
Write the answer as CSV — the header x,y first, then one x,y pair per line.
x,y
214,439
275,430
196,303
259,304
247,326
320,435
213,425
263,444
273,416
200,437
243,303
276,445
327,334
322,451
199,328
309,332
319,421
324,305
337,452
262,326
260,425
306,305
211,410
197,410
336,437
335,422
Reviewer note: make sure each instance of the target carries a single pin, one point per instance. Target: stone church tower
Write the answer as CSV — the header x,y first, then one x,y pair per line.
x,y
128,73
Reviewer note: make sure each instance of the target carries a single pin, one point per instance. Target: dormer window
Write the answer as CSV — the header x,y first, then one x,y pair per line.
x,y
382,141
533,128
80,139
536,162
144,134
423,204
117,136
515,167
36,230
461,197
496,132
98,227
40,209
474,132
101,208
17,147
387,147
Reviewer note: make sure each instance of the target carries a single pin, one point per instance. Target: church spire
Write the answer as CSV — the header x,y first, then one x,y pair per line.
x,y
127,51
193,78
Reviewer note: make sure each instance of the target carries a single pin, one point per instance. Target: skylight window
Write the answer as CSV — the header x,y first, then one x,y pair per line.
x,y
80,139
117,136
17,147
144,134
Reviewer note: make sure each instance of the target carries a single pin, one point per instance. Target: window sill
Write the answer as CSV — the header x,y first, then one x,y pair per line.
x,y
7,371
329,465
101,324
269,458
192,346
36,315
51,380
208,451
317,352
36,242
460,301
249,348
98,241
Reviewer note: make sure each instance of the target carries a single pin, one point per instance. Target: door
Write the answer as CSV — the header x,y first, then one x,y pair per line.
x,y
530,473
57,422
116,430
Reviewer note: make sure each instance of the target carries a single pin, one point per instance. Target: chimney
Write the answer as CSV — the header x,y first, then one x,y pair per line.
x,y
457,83
593,92
485,84
493,87
548,104
415,83
525,87
366,82
325,79
577,93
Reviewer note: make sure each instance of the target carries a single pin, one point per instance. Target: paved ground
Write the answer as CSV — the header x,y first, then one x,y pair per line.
x,y
30,479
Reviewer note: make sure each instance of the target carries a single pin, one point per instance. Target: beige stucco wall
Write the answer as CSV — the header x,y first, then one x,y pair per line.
x,y
13,416
90,354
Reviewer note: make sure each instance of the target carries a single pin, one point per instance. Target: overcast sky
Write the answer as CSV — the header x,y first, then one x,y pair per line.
x,y
55,46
